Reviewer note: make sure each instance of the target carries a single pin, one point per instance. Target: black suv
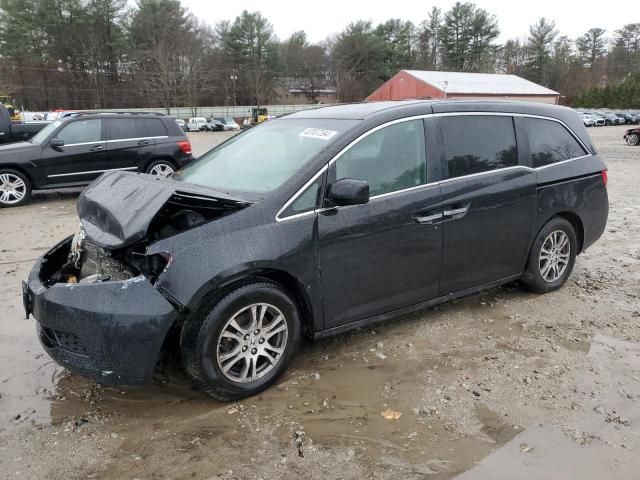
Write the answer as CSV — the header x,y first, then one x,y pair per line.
x,y
76,150
312,224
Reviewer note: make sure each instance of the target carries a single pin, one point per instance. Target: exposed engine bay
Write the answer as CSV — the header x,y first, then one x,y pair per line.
x,y
118,250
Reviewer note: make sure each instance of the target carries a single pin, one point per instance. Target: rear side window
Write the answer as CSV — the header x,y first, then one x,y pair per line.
x,y
155,127
390,159
174,128
123,128
551,142
477,143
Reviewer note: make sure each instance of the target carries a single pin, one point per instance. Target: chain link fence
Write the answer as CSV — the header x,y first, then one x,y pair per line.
x,y
237,112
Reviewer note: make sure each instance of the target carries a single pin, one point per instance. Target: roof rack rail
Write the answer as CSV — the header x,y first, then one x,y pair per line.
x,y
124,112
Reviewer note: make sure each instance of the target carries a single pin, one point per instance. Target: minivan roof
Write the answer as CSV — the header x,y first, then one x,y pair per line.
x,y
361,111
390,110
354,111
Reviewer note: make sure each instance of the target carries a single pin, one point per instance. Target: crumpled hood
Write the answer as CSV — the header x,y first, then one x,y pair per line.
x,y
117,208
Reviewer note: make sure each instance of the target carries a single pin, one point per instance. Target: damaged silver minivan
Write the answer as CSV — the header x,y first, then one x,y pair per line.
x,y
313,224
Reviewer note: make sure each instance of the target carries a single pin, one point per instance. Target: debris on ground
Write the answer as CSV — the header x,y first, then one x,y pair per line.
x,y
389,414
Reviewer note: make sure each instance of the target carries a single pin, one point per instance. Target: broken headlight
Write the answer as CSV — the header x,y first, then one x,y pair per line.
x,y
152,266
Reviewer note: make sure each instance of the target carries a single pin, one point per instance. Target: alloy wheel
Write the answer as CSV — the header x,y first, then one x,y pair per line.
x,y
633,139
554,256
12,189
162,170
252,343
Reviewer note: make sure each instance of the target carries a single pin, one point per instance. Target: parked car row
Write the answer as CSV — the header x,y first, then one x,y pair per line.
x,y
211,124
600,119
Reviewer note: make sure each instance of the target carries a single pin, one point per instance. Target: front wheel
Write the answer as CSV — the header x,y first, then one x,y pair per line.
x,y
15,188
241,344
552,256
633,139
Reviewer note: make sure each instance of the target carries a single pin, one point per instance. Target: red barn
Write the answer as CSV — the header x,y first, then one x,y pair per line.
x,y
411,84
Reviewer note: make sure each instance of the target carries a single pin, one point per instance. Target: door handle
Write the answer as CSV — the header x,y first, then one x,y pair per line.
x,y
143,142
456,211
427,219
96,148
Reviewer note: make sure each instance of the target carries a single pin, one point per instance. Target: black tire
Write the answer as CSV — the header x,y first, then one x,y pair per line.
x,y
533,277
202,331
633,139
158,165
8,174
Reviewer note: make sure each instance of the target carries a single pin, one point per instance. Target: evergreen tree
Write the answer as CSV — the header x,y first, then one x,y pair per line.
x,y
539,48
466,37
591,47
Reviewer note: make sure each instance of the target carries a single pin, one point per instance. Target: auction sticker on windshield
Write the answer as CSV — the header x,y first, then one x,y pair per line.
x,y
320,133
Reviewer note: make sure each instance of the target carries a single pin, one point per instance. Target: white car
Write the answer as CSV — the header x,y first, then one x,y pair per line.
x,y
228,122
197,124
588,120
597,118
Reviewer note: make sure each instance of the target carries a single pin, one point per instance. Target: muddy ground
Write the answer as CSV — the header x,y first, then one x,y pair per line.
x,y
506,384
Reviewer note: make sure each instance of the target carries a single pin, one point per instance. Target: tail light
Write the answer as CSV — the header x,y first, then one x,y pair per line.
x,y
185,147
605,178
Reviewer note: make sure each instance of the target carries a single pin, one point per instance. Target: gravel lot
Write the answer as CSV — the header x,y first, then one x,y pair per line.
x,y
498,383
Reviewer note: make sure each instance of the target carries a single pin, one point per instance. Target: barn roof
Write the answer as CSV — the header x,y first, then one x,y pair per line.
x,y
480,83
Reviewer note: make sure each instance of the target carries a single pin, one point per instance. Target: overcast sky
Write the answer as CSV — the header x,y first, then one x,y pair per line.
x,y
321,18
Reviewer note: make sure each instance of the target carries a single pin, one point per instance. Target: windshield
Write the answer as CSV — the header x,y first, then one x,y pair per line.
x,y
43,134
264,157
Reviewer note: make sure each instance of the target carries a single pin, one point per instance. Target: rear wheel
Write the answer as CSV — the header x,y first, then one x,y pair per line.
x,y
241,344
633,139
15,188
161,168
552,256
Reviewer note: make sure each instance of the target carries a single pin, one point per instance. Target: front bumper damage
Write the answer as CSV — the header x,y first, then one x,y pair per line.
x,y
94,297
111,332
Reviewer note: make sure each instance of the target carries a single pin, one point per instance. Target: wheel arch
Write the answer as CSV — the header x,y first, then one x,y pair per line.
x,y
282,278
17,168
165,158
213,293
292,285
171,340
575,221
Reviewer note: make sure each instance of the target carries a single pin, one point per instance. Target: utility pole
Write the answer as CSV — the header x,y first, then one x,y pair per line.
x,y
234,77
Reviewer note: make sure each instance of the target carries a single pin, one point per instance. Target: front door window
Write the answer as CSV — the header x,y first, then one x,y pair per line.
x,y
390,159
81,131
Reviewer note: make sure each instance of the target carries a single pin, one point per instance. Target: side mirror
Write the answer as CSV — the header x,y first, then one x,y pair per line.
x,y
349,191
56,143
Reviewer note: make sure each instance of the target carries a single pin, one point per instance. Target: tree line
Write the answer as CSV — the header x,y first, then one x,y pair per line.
x,y
109,54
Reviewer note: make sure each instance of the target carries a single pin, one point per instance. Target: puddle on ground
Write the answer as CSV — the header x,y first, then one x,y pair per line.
x,y
597,441
335,393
